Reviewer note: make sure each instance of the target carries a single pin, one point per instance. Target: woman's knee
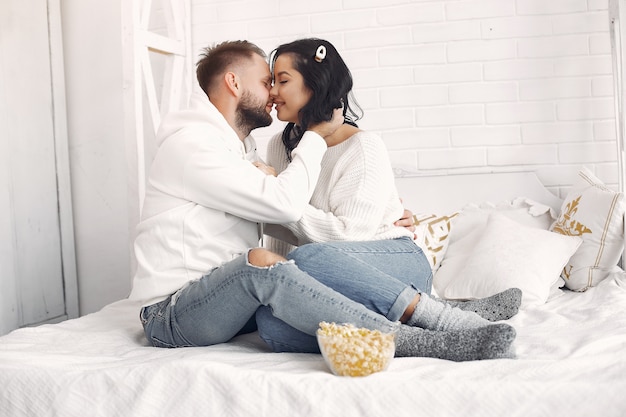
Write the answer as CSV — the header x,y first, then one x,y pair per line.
x,y
307,252
263,257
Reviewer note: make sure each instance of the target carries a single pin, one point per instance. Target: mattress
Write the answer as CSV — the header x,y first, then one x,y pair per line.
x,y
571,361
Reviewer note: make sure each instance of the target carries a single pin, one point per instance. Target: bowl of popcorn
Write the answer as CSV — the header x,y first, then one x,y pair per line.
x,y
352,351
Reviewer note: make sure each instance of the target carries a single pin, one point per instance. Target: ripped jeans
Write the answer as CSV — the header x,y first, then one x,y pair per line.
x,y
383,275
214,308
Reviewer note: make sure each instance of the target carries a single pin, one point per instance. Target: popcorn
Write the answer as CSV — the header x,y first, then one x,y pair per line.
x,y
352,351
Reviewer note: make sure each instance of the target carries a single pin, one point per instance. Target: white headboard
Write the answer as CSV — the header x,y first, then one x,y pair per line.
x,y
445,193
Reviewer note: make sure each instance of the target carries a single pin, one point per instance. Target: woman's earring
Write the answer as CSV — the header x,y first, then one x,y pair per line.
x,y
320,54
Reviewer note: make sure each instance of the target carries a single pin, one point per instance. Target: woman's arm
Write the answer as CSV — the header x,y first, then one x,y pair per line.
x,y
355,198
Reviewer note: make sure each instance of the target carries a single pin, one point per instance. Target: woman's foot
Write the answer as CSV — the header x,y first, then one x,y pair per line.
x,y
500,306
433,314
494,341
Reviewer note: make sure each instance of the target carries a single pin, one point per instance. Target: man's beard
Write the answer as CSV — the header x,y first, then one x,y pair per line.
x,y
251,115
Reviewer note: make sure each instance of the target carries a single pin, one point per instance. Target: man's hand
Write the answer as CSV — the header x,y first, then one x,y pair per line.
x,y
325,129
268,170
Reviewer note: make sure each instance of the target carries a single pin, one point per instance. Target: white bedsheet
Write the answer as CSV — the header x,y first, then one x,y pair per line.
x,y
571,362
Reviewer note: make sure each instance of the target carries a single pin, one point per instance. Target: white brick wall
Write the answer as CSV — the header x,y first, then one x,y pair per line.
x,y
458,85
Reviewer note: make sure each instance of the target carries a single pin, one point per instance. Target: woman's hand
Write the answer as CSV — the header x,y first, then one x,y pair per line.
x,y
406,221
268,170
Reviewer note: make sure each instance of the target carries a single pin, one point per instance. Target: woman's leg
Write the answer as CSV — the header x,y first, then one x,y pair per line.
x,y
214,308
400,259
383,275
403,260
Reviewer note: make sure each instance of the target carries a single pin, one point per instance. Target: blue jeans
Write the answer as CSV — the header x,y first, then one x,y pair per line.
x,y
382,275
217,306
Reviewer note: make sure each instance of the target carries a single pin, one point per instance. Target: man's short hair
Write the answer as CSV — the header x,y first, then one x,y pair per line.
x,y
216,59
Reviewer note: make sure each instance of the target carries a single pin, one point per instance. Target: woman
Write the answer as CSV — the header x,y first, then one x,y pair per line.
x,y
354,204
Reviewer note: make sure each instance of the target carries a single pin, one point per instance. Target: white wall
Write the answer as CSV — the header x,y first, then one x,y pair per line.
x,y
92,45
452,86
458,85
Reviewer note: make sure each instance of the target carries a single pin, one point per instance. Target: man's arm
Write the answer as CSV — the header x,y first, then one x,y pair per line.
x,y
218,178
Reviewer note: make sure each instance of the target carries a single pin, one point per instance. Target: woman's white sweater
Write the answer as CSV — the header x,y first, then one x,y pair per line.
x,y
355,197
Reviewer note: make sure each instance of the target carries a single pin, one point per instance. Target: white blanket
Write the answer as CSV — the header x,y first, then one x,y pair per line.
x,y
571,362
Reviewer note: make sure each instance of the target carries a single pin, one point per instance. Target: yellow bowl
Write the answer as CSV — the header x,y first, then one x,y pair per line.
x,y
352,351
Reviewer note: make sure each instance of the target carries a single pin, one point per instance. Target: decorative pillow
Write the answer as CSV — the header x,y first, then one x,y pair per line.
x,y
596,214
432,232
507,254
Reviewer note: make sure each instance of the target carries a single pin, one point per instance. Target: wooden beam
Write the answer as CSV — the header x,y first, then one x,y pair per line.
x,y
61,143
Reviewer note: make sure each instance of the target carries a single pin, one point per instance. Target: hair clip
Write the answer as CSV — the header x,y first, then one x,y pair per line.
x,y
320,54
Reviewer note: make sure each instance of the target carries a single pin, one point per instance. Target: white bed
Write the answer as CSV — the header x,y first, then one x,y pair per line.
x,y
571,357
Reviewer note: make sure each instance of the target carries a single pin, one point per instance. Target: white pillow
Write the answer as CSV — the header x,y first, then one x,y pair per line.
x,y
468,225
596,214
522,210
506,254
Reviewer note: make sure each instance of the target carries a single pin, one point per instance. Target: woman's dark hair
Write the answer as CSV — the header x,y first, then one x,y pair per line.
x,y
329,81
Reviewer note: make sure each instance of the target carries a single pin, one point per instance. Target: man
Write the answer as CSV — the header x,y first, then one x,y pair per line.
x,y
198,278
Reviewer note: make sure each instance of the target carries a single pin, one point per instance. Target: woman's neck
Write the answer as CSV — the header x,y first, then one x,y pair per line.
x,y
342,134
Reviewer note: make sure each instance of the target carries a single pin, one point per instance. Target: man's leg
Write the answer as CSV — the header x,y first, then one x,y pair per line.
x,y
214,308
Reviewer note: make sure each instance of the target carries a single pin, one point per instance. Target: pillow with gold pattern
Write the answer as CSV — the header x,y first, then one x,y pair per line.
x,y
432,233
595,213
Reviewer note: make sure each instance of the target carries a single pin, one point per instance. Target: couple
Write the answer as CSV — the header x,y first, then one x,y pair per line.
x,y
200,276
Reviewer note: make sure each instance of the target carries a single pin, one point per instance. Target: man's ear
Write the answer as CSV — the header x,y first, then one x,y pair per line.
x,y
232,82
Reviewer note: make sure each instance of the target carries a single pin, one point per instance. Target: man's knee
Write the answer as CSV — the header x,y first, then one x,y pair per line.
x,y
263,257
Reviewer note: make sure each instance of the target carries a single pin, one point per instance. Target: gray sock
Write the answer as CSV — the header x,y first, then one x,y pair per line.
x,y
494,341
434,315
500,306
